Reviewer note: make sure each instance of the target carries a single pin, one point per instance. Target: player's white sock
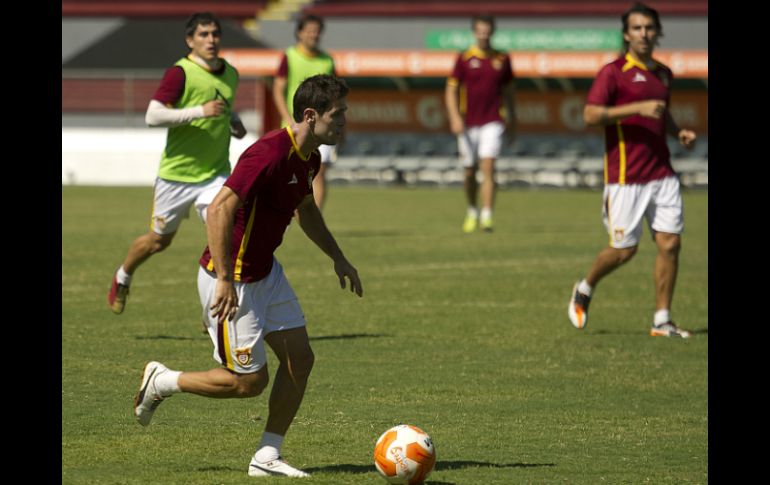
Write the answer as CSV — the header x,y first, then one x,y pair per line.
x,y
584,287
269,448
123,277
486,213
662,316
473,212
167,383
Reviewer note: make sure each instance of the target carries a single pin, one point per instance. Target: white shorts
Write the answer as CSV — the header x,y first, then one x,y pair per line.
x,y
479,142
625,205
172,201
328,153
264,306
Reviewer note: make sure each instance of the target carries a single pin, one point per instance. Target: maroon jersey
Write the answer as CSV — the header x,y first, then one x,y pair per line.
x,y
482,76
635,147
271,178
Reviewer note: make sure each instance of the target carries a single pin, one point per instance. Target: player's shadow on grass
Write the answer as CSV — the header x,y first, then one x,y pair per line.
x,y
349,336
169,337
441,465
343,234
703,330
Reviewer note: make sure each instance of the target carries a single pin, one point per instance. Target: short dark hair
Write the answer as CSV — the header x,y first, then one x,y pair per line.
x,y
318,92
306,19
483,18
643,9
200,18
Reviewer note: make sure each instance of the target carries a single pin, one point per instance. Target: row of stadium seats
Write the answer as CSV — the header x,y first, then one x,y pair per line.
x,y
520,171
542,146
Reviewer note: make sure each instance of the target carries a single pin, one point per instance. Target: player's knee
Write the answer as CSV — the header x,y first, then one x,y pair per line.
x,y
252,385
301,363
670,245
625,254
160,242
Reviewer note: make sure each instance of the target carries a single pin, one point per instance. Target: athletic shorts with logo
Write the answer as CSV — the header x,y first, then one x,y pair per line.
x,y
172,201
660,201
264,306
479,142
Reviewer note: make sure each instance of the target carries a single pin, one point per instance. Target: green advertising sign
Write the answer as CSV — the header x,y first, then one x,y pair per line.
x,y
530,39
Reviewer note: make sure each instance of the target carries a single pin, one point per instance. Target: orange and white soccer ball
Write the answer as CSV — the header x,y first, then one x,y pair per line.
x,y
404,454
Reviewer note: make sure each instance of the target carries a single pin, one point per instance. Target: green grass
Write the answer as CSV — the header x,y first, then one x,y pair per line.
x,y
463,335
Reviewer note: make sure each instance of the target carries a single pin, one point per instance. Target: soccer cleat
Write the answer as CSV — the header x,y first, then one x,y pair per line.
x,y
486,224
116,298
470,223
276,467
148,398
578,308
668,329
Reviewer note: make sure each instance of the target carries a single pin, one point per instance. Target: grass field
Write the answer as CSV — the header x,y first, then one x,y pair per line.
x,y
465,336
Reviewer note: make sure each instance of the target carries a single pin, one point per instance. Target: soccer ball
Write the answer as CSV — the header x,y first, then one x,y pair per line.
x,y
404,454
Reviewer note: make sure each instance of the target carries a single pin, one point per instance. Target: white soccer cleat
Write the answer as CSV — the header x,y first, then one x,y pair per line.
x,y
148,398
276,467
578,308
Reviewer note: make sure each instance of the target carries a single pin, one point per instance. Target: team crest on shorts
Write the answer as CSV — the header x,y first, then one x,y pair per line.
x,y
243,356
160,222
619,233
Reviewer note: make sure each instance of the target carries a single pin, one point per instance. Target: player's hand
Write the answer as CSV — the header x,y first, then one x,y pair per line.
x,y
237,130
457,126
653,108
344,269
215,107
225,303
687,138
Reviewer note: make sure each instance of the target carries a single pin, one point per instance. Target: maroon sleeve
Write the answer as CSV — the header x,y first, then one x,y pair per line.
x,y
507,69
283,68
458,70
171,86
604,88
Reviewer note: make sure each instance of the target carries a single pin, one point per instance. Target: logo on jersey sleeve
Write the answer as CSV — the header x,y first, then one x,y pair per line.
x,y
310,178
639,78
293,179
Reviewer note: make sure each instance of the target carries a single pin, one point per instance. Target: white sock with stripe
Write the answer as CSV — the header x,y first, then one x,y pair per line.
x,y
269,448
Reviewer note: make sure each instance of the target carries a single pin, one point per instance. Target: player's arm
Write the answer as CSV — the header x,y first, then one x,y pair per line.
x,y
509,102
451,99
236,126
220,216
686,137
279,93
161,111
597,115
313,225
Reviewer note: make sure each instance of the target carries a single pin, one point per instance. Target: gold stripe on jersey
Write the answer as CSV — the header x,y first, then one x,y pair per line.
x,y
622,155
606,173
463,102
244,244
452,81
631,62
295,148
210,265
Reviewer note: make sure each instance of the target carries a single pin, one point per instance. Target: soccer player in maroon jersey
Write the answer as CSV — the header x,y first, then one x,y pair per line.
x,y
481,84
245,295
630,99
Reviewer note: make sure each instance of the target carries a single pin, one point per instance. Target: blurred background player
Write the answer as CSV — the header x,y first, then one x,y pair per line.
x,y
195,100
245,295
299,62
480,84
630,98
